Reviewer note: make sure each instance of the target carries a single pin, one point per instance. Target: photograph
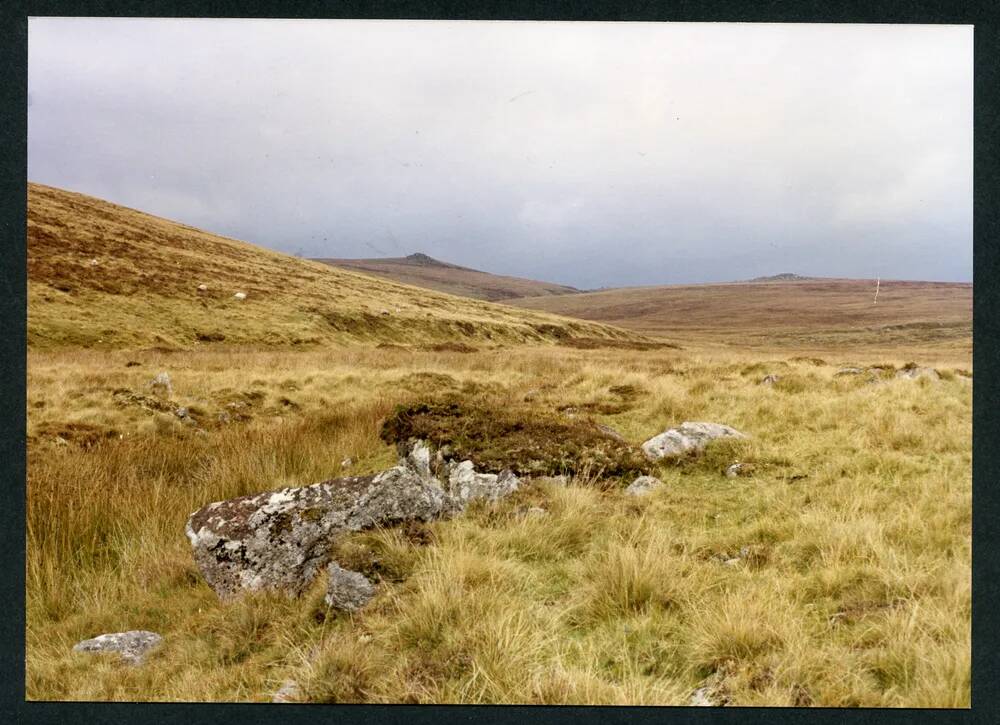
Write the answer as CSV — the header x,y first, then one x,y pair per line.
x,y
500,362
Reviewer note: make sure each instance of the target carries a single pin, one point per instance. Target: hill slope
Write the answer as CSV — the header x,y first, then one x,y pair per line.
x,y
816,313
101,275
423,271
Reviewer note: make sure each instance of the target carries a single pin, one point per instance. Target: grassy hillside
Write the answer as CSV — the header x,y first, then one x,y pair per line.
x,y
423,271
101,275
924,318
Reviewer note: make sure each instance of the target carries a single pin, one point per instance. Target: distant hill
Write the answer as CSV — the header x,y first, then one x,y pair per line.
x,y
105,276
424,271
816,312
783,277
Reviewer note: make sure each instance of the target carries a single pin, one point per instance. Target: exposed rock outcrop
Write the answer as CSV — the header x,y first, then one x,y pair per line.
x,y
686,438
133,646
280,540
465,485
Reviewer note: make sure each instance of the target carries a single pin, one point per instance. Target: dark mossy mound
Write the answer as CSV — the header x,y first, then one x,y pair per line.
x,y
524,440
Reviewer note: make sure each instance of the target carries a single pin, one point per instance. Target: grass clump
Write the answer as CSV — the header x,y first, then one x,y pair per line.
x,y
525,440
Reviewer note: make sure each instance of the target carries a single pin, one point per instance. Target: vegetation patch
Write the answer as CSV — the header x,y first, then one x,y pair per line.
x,y
526,441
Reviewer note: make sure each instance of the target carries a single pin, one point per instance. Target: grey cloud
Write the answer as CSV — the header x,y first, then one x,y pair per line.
x,y
588,154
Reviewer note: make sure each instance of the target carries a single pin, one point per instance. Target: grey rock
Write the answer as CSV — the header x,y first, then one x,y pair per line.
x,y
133,646
240,296
161,385
347,590
465,485
701,698
418,458
347,463
686,438
288,692
738,469
203,288
770,379
643,485
280,540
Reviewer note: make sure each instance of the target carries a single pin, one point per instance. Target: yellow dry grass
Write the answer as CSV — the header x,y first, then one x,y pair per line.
x,y
851,585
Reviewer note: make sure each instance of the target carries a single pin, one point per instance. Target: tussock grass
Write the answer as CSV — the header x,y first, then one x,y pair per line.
x,y
835,574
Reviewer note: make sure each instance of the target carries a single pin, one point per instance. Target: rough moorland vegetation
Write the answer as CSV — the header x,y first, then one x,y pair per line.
x,y
103,276
836,573
821,557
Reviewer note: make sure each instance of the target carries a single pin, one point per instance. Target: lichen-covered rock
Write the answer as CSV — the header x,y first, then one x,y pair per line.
x,y
133,646
347,590
465,485
418,458
643,485
686,438
281,539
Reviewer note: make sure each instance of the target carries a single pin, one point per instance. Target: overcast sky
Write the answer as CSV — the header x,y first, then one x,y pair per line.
x,y
589,154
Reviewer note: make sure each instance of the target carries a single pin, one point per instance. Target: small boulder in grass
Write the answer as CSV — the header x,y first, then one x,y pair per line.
x,y
770,379
240,296
347,590
686,439
133,646
643,486
739,469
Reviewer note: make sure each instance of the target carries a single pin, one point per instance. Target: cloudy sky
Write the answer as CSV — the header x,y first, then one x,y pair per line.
x,y
584,153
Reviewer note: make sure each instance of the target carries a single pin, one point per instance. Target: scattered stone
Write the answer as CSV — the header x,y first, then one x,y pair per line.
x,y
714,693
161,385
848,371
347,463
240,295
611,432
465,485
280,540
687,438
181,413
643,485
914,372
770,379
739,469
347,590
133,646
288,692
203,288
